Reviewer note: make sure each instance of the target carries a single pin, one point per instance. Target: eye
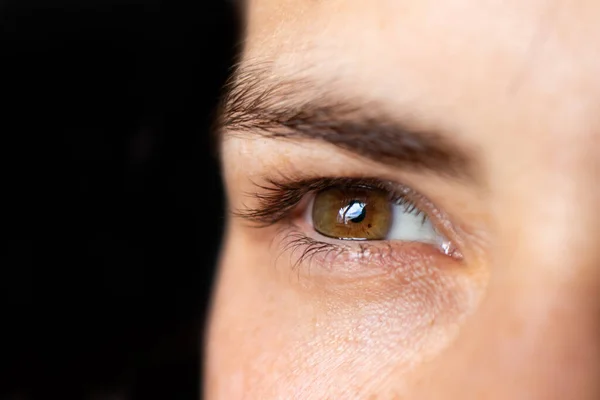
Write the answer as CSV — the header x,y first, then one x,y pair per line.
x,y
372,214
349,209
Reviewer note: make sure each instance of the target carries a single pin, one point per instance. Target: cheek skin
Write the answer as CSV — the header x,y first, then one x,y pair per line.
x,y
283,333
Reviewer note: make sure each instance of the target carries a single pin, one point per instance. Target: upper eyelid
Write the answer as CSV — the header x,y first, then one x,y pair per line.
x,y
280,197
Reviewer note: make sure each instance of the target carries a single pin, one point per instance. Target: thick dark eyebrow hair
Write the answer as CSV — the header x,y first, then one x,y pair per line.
x,y
255,104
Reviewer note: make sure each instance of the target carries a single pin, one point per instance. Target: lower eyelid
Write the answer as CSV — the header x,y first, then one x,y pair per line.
x,y
353,259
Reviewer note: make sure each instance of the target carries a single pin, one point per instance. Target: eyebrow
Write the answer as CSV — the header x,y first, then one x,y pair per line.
x,y
295,109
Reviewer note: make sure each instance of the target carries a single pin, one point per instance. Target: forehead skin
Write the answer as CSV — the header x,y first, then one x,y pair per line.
x,y
518,81
459,62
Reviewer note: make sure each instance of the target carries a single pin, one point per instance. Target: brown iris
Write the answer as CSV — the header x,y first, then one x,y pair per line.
x,y
359,214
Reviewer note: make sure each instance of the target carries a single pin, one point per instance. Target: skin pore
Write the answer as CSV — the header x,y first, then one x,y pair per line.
x,y
482,116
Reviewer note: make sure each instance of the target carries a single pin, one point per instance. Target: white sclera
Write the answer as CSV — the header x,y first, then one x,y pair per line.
x,y
410,227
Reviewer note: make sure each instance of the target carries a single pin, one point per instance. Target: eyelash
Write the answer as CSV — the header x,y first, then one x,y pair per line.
x,y
279,201
280,197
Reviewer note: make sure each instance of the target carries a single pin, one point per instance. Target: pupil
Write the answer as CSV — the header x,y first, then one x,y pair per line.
x,y
355,211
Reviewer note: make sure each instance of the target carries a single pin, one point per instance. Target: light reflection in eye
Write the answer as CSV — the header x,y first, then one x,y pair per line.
x,y
355,212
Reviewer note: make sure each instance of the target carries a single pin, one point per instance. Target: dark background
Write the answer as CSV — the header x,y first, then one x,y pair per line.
x,y
112,208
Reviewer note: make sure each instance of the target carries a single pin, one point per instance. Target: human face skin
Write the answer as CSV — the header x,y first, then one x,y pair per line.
x,y
490,110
